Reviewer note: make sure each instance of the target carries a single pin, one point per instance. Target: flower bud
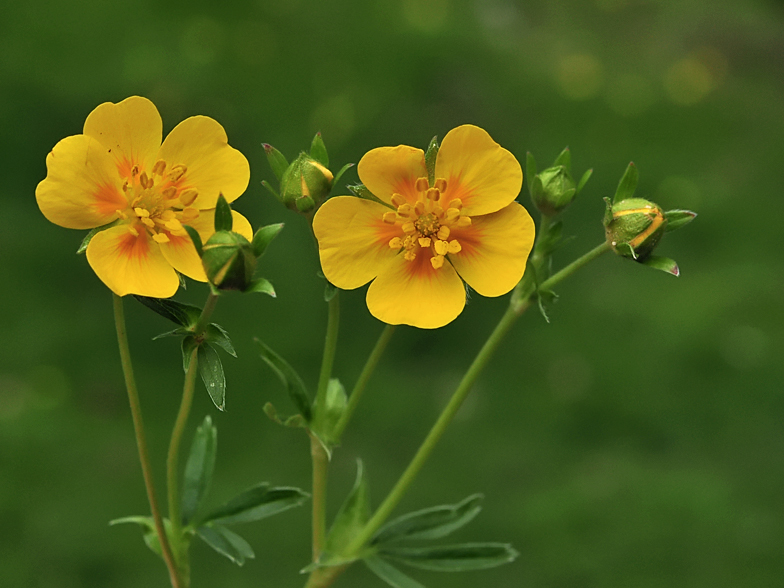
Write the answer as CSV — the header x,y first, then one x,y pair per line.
x,y
634,226
305,184
229,261
554,190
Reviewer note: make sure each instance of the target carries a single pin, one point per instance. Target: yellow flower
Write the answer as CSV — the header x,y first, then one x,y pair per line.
x,y
118,170
466,225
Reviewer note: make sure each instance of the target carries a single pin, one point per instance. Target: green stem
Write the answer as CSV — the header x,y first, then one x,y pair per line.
x,y
320,470
330,346
364,377
141,440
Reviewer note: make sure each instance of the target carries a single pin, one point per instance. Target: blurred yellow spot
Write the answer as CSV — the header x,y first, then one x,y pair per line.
x,y
689,81
580,76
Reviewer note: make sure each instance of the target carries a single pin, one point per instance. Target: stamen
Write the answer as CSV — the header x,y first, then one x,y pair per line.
x,y
142,212
433,194
121,214
159,167
408,227
177,172
452,214
175,225
443,233
424,242
145,181
188,196
454,246
148,222
409,255
441,247
437,261
395,243
398,200
463,222
133,231
419,208
167,215
422,184
189,214
161,238
390,218
438,211
440,183
456,203
404,209
169,193
134,171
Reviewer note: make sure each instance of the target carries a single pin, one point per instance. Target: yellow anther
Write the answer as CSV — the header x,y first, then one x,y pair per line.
x,y
437,261
170,192
424,242
134,171
409,255
419,208
177,172
390,218
148,222
167,215
452,213
409,242
454,246
397,199
189,214
438,211
440,183
433,194
456,203
173,225
188,196
159,167
408,227
463,222
121,214
142,212
133,231
404,209
441,247
443,233
395,243
145,181
161,237
421,184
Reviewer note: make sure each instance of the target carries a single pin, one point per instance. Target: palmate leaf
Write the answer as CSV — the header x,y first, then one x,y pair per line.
x,y
199,469
351,518
452,558
430,523
256,503
226,542
290,378
185,315
148,528
211,371
390,574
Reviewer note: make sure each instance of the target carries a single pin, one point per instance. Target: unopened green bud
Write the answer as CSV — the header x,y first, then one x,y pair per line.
x,y
305,184
633,227
554,191
229,261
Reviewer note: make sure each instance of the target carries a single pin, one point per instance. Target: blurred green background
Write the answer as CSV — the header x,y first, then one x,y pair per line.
x,y
634,441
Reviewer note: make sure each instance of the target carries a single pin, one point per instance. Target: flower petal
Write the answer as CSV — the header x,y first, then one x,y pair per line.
x,y
494,250
131,264
213,167
181,253
130,130
478,171
82,189
389,170
353,240
413,293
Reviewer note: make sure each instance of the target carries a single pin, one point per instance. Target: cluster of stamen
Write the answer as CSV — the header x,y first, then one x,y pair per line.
x,y
426,224
156,203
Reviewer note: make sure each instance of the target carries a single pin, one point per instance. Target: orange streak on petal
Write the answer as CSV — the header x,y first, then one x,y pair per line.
x,y
108,199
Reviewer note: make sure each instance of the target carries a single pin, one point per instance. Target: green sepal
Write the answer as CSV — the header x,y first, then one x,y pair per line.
x,y
327,416
276,159
223,218
429,523
662,263
226,542
185,315
175,333
565,159
150,533
583,180
340,173
272,190
199,469
360,191
330,291
263,237
628,184
294,421
256,503
318,150
195,238
93,232
530,172
430,159
211,371
389,573
608,214
290,379
351,518
452,558
217,335
261,286
677,219
305,204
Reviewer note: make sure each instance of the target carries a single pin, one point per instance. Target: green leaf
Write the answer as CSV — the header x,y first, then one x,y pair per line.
x,y
175,333
223,218
199,469
89,237
453,558
430,523
351,517
277,161
261,286
257,503
584,180
227,543
211,371
340,173
290,378
318,150
360,191
390,574
150,534
195,237
565,159
264,237
627,185
185,315
188,345
530,171
430,159
677,219
217,335
662,263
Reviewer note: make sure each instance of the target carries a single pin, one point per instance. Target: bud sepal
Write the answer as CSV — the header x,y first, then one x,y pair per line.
x,y
553,189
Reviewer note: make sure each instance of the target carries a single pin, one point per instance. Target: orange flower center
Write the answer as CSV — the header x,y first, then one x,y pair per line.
x,y
157,203
426,224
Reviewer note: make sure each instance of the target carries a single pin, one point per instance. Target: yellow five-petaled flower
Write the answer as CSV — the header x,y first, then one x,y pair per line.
x,y
418,247
118,170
